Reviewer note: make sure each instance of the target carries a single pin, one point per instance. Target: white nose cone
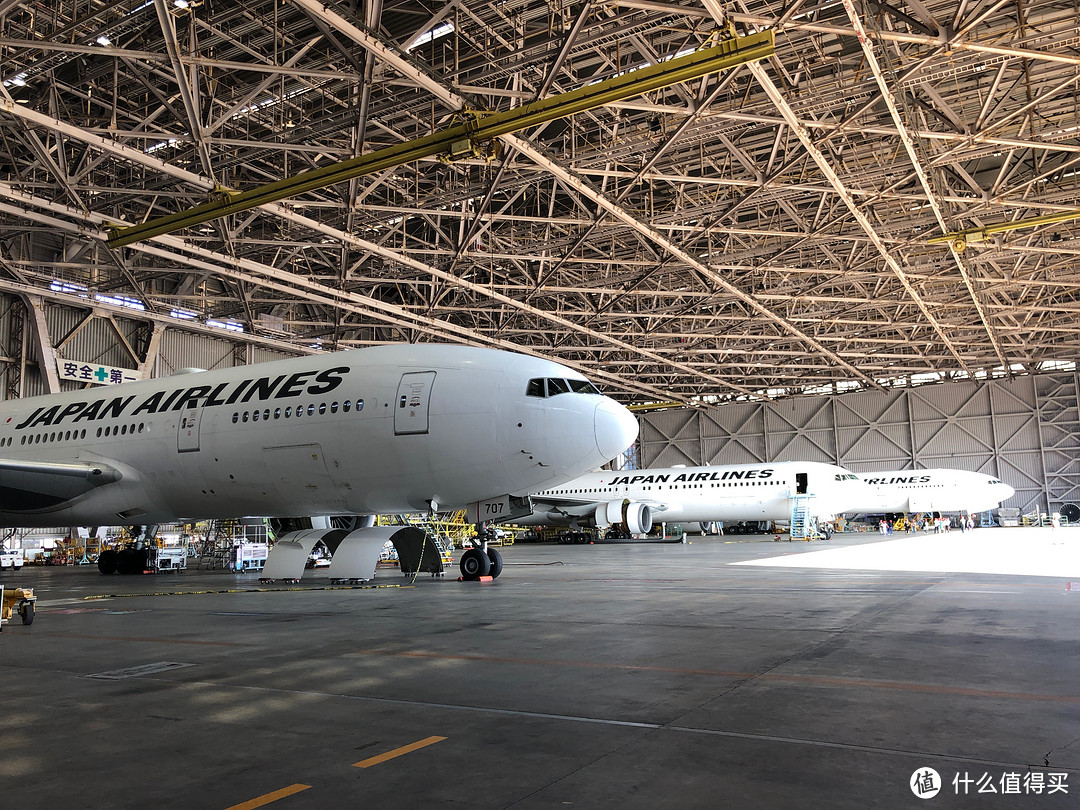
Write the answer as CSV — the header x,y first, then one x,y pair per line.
x,y
615,428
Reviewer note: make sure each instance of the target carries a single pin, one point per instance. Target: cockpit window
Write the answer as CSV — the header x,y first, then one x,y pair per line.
x,y
539,387
557,386
583,387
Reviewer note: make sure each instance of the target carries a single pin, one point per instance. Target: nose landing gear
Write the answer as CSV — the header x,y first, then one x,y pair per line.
x,y
481,560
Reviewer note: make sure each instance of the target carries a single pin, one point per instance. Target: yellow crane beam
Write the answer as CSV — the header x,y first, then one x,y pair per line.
x,y
969,236
463,139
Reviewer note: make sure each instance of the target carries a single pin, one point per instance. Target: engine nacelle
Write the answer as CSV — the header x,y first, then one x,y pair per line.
x,y
607,514
636,518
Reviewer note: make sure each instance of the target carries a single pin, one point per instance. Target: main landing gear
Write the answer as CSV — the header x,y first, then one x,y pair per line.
x,y
480,560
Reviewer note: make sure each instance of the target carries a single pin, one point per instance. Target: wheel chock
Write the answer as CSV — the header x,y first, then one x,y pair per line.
x,y
478,579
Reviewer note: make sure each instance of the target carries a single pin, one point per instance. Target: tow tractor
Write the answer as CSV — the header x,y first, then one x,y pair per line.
x,y
16,600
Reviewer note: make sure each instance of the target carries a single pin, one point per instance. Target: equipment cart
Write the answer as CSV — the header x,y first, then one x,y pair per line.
x,y
17,600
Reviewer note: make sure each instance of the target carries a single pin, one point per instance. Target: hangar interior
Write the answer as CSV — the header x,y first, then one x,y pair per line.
x,y
860,248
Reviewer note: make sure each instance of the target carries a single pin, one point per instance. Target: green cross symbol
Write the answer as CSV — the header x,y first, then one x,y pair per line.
x,y
101,374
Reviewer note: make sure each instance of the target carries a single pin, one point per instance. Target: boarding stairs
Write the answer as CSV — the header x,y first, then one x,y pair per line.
x,y
803,525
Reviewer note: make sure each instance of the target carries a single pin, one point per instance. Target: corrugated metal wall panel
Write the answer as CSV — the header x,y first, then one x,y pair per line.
x,y
673,438
800,430
180,349
260,354
95,342
734,435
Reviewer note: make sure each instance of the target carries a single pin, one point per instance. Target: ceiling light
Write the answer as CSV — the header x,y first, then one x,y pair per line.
x,y
103,41
181,3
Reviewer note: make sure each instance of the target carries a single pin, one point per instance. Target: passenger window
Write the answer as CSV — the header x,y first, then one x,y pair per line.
x,y
235,418
310,410
322,408
254,416
245,417
359,404
277,413
333,407
288,412
345,406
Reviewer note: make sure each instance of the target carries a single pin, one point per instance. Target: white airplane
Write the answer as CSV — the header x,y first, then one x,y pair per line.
x,y
638,498
938,490
382,430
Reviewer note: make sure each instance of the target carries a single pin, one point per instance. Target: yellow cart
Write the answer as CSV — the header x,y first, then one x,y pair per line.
x,y
17,600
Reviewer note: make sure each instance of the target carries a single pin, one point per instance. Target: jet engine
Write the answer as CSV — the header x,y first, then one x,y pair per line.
x,y
635,517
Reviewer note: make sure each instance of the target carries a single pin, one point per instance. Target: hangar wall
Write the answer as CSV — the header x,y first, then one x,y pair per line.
x,y
1024,430
156,344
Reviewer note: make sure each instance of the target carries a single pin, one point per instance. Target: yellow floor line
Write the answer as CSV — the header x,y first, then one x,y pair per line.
x,y
267,798
397,752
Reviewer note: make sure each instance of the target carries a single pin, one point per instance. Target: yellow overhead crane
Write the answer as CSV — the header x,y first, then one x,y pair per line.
x,y
464,139
959,240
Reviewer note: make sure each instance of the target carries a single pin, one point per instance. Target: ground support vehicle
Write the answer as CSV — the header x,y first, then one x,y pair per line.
x,y
17,600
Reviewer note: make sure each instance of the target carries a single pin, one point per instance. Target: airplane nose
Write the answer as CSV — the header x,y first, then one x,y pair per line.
x,y
1007,492
615,428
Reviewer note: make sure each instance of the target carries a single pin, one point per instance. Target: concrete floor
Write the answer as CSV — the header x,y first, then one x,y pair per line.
x,y
622,676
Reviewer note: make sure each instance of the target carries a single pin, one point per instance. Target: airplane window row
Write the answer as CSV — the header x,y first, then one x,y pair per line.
x,y
120,430
289,413
670,486
847,477
551,386
62,436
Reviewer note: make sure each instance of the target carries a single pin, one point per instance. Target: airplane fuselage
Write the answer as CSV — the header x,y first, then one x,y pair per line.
x,y
379,430
937,490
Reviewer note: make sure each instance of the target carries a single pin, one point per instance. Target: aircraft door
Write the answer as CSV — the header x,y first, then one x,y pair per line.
x,y
413,399
800,483
187,432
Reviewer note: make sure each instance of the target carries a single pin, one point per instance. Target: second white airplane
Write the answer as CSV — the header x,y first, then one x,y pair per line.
x,y
938,490
636,499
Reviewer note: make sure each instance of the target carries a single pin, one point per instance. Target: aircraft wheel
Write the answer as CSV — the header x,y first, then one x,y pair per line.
x,y
125,562
496,562
28,613
106,562
474,564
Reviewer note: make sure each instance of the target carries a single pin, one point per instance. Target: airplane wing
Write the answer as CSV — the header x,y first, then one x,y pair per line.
x,y
563,510
29,485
